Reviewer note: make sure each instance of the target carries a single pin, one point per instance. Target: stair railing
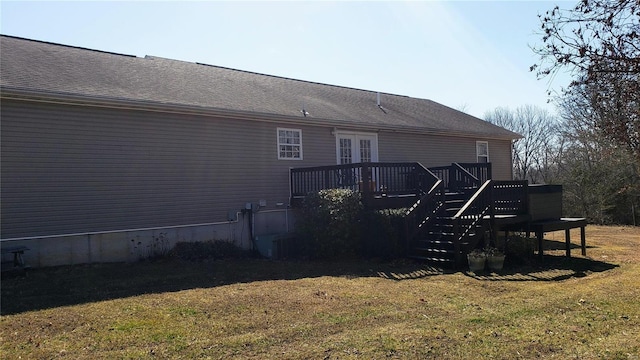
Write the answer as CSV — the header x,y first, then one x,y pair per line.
x,y
424,212
470,216
460,179
482,171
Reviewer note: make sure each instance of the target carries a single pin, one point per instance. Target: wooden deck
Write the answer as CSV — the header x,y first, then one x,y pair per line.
x,y
452,205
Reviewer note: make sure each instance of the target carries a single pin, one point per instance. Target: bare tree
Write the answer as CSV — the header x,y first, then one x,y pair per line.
x,y
599,41
535,154
600,178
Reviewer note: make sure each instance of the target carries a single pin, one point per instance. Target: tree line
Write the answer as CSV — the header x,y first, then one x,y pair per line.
x,y
592,147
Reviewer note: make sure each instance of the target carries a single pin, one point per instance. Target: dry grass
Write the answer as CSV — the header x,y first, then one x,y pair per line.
x,y
584,308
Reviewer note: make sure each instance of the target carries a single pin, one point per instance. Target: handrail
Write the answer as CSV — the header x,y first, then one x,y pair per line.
x,y
327,167
423,211
473,199
437,184
465,171
425,197
466,177
431,175
482,203
482,171
426,169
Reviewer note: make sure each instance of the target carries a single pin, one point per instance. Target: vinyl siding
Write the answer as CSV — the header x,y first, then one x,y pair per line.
x,y
500,158
72,169
431,150
69,169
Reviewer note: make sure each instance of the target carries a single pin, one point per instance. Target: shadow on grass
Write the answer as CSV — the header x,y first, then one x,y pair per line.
x,y
72,285
561,245
78,284
551,268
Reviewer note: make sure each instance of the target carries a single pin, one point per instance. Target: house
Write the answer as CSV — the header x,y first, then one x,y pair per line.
x,y
108,157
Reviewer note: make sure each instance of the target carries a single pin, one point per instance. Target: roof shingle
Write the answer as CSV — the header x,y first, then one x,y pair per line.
x,y
30,65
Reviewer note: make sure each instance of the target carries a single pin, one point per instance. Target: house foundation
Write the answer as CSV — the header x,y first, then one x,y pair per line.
x,y
137,244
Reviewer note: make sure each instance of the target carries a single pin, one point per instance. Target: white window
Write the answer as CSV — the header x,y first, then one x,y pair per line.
x,y
482,151
289,144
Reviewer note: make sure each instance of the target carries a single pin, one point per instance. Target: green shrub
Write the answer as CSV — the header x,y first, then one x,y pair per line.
x,y
330,223
383,233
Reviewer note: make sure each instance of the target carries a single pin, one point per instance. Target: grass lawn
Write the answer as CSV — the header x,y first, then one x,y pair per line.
x,y
582,308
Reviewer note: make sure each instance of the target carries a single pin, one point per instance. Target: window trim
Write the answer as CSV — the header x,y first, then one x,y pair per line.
x,y
278,144
478,155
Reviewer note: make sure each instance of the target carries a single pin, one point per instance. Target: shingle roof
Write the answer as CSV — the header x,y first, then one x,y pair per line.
x,y
29,65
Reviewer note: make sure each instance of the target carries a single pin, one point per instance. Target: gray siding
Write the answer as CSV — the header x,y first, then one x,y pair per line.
x,y
431,150
500,157
72,169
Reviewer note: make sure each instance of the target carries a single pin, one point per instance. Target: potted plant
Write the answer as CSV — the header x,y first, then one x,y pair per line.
x,y
477,259
495,258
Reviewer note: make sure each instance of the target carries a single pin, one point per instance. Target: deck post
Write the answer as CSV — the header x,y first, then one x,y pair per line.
x,y
365,180
492,215
583,241
453,182
456,243
540,235
567,239
407,238
327,179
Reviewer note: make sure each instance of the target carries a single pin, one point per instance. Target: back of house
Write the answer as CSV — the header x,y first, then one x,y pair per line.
x,y
109,157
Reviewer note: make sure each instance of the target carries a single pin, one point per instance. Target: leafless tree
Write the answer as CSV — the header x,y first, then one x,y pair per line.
x,y
599,42
600,177
535,154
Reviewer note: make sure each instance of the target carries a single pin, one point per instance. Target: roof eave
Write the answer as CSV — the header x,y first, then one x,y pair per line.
x,y
14,93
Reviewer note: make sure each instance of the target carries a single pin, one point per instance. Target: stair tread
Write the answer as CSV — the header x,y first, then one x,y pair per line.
x,y
437,240
434,250
433,259
436,244
448,234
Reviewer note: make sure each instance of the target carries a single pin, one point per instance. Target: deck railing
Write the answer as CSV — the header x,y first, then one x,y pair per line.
x,y
387,178
459,176
511,197
495,197
481,171
460,179
371,179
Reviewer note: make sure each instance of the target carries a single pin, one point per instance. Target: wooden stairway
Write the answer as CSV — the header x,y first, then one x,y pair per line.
x,y
436,243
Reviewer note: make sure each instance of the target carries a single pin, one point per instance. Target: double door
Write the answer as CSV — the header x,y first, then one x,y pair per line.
x,y
356,148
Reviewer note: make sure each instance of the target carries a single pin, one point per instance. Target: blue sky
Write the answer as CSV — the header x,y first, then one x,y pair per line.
x,y
469,55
